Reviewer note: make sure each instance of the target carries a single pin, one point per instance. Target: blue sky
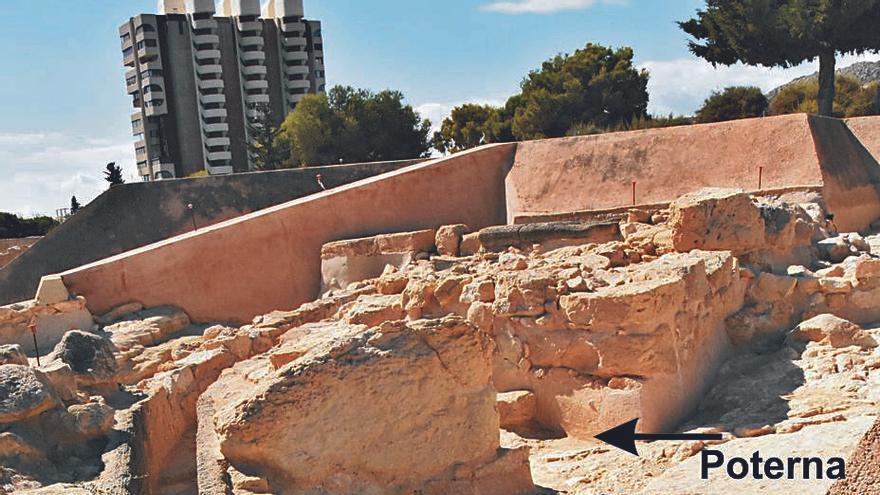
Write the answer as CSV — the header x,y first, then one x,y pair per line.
x,y
64,112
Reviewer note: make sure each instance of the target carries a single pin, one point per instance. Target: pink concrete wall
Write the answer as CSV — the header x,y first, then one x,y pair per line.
x,y
270,259
850,174
867,130
593,172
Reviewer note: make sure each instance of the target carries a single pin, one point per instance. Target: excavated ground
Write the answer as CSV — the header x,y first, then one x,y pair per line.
x,y
473,363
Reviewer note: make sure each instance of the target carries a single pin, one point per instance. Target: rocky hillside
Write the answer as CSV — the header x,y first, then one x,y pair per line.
x,y
482,363
864,72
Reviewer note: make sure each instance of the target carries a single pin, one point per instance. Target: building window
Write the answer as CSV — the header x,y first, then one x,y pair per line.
x,y
139,136
125,38
136,125
128,52
151,73
145,28
319,46
140,150
147,43
153,88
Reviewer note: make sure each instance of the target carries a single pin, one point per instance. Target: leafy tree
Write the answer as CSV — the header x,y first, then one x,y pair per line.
x,y
267,152
467,127
113,174
851,99
595,85
735,102
354,125
14,227
785,33
74,205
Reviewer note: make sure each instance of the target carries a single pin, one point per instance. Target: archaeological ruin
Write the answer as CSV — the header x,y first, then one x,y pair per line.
x,y
469,324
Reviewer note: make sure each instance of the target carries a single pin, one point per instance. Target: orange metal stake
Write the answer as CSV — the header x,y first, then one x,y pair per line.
x,y
634,193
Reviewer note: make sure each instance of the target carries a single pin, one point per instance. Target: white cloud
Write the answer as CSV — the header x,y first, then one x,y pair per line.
x,y
543,6
680,86
41,171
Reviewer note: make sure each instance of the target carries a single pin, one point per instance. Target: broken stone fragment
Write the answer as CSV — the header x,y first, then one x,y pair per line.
x,y
303,424
834,331
12,354
716,220
24,393
448,239
90,356
517,409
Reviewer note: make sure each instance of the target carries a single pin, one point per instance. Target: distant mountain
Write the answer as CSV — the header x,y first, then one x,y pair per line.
x,y
865,72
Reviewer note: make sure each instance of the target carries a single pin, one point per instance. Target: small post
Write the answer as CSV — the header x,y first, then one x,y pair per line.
x,y
318,179
760,178
192,215
634,194
32,326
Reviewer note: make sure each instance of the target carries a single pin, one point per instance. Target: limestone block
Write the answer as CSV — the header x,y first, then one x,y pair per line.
x,y
716,220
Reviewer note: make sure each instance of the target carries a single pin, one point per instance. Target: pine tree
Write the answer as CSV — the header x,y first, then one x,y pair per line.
x,y
113,175
265,150
785,33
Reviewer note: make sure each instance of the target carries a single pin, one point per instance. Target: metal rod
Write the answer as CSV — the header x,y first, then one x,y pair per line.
x,y
760,178
634,194
33,328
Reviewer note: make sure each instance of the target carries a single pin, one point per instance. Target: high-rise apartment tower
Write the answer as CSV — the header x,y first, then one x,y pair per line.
x,y
198,80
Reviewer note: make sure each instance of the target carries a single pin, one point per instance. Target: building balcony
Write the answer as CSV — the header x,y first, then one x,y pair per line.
x,y
209,99
251,41
132,87
260,84
209,69
156,110
128,58
208,54
216,127
217,156
304,84
205,24
253,70
211,84
211,113
217,141
293,70
158,80
148,53
163,171
250,26
288,26
250,56
146,35
202,39
256,99
296,56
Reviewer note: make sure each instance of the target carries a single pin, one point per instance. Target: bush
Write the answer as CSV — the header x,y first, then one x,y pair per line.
x,y
735,102
851,98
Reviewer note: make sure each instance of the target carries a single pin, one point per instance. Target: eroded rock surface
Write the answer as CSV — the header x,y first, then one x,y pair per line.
x,y
454,362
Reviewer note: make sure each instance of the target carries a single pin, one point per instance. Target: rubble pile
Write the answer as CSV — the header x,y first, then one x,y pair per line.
x,y
452,361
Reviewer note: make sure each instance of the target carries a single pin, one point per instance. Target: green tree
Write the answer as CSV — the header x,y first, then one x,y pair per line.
x,y
266,151
594,86
74,205
851,98
785,33
113,174
14,227
468,126
354,125
735,102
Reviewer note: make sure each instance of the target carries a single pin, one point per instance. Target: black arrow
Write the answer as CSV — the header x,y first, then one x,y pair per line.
x,y
624,436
